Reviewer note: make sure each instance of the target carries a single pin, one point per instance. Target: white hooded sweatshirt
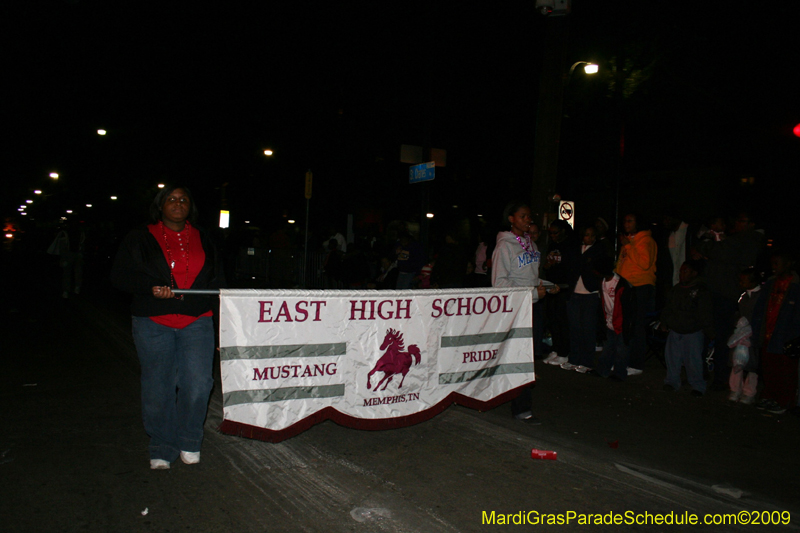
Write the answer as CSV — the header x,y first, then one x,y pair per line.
x,y
513,265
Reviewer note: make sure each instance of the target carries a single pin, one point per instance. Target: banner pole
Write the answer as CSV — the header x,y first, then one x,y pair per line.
x,y
195,291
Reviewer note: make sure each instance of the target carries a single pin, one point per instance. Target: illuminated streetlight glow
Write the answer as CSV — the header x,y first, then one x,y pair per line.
x,y
88,205
589,68
160,185
54,175
268,152
23,213
37,191
290,221
101,132
113,197
69,211
429,215
28,201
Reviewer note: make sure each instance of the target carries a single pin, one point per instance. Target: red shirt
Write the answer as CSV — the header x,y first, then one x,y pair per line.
x,y
774,303
186,257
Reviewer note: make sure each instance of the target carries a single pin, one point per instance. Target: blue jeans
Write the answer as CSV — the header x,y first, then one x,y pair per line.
x,y
176,383
615,353
685,349
582,313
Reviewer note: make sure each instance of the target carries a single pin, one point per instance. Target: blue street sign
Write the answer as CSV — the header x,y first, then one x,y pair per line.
x,y
422,172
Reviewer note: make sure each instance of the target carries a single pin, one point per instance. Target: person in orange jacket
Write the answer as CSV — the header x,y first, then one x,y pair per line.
x,y
637,264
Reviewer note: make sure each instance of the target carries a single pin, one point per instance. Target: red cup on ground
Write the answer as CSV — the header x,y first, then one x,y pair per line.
x,y
543,454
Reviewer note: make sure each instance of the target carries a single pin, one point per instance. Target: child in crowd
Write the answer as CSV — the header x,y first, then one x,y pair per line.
x,y
744,381
688,317
618,300
776,320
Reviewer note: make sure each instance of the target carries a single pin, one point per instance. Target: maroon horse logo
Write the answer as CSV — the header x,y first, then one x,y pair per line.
x,y
395,360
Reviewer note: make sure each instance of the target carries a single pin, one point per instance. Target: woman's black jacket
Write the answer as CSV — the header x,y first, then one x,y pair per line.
x,y
140,265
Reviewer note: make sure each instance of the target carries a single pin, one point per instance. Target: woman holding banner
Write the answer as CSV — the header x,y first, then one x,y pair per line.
x,y
515,263
174,335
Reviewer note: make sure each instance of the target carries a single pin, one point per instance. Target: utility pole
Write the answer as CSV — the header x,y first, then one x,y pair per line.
x,y
548,116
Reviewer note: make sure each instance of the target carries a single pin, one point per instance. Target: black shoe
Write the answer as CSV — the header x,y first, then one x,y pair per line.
x,y
668,388
614,377
594,373
696,393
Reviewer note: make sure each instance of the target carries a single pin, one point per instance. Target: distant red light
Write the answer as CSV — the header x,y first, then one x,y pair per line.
x,y
796,130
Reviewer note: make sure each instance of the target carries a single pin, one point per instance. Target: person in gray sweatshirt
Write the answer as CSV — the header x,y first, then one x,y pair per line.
x,y
515,263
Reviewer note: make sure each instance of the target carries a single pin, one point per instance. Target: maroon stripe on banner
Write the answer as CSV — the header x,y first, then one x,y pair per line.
x,y
239,429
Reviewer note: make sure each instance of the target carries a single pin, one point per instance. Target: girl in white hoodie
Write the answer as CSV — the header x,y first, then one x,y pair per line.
x,y
515,263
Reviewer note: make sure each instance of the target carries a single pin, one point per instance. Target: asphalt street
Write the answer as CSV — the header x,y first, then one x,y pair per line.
x,y
73,454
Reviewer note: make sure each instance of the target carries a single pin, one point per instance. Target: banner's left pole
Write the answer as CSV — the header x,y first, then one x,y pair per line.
x,y
305,252
309,181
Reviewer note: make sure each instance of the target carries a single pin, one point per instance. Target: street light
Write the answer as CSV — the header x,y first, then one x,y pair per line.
x,y
101,132
268,152
54,175
590,68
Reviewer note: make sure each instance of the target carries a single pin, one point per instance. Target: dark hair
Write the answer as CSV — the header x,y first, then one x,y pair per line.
x,y
698,265
511,208
562,225
752,274
641,223
158,203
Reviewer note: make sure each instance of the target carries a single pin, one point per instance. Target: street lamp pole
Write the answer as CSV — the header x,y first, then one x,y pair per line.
x,y
552,86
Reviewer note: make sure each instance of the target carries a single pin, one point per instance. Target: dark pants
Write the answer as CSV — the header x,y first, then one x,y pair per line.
x,y
538,329
522,403
780,378
614,354
724,311
582,310
645,304
558,321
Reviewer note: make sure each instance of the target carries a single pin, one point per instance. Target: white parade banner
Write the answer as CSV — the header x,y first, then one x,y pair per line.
x,y
368,359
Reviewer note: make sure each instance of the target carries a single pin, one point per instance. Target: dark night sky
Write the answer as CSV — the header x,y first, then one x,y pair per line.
x,y
194,93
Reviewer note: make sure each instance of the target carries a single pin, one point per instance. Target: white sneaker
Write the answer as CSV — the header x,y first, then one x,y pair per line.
x,y
159,464
582,369
634,371
558,361
550,357
190,458
734,396
568,366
